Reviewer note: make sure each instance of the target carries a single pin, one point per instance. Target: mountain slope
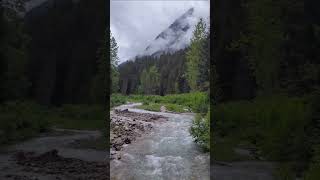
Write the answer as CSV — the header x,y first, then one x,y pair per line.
x,y
175,37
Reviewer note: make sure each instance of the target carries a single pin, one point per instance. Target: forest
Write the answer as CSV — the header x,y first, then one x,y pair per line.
x,y
266,57
52,67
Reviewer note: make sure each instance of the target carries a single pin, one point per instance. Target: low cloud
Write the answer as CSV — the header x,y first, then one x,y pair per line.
x,y
135,24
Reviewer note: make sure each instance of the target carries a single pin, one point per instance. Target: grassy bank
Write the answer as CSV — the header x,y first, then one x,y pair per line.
x,y
82,117
196,102
23,120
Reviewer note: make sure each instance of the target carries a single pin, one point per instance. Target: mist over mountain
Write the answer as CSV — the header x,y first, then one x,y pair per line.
x,y
175,37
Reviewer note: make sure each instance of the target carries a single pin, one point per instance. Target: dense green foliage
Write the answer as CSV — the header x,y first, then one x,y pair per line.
x,y
198,79
117,99
201,130
282,128
150,81
264,48
277,130
169,67
194,57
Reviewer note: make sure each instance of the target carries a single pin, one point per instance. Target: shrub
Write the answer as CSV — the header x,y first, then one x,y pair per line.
x,y
21,120
117,99
200,130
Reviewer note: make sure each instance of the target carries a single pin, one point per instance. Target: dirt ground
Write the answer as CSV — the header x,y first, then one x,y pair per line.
x,y
50,156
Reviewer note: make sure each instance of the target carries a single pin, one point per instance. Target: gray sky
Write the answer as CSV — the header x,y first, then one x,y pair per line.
x,y
135,23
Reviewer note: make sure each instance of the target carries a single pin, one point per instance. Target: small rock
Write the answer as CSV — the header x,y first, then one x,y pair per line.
x,y
127,141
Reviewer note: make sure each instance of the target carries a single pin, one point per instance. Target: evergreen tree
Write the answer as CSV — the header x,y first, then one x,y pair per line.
x,y
150,81
194,55
114,63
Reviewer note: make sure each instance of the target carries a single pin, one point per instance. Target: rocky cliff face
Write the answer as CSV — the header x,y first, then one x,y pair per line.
x,y
176,36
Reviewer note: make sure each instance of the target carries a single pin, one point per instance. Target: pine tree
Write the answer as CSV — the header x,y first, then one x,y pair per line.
x,y
194,55
114,63
150,81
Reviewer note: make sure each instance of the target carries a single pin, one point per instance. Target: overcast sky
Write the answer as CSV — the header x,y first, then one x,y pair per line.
x,y
134,23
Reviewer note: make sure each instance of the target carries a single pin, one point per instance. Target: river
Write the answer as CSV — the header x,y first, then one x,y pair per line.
x,y
168,152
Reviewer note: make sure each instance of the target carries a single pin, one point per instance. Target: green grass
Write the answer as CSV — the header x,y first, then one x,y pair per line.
x,y
197,102
150,107
176,108
81,117
156,107
22,120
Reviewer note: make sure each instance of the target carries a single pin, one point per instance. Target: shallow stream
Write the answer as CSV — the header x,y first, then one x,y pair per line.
x,y
168,152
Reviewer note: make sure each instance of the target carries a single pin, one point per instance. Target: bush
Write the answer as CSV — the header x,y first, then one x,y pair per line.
x,y
117,99
200,130
21,120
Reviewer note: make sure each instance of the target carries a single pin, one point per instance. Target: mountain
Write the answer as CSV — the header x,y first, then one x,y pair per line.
x,y
176,36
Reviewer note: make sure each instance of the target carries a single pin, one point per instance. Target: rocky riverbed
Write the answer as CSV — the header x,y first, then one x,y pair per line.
x,y
126,126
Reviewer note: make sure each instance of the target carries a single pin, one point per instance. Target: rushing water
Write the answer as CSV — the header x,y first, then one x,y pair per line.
x,y
168,152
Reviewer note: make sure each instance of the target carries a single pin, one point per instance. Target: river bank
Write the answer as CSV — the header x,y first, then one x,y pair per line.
x,y
54,156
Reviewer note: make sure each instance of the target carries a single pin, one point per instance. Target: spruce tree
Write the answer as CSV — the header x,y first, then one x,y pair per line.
x,y
194,55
